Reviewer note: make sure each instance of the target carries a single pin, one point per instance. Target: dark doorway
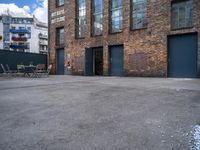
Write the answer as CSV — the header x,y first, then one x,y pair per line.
x,y
98,61
60,62
182,56
93,61
116,61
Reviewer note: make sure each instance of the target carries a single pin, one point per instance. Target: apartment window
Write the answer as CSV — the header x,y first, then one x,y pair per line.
x,y
81,19
182,13
60,2
97,17
60,37
139,14
116,16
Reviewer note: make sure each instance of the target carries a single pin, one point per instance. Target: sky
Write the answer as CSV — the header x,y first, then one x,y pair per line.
x,y
25,8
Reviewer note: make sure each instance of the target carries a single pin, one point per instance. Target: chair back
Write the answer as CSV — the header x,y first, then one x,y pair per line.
x,y
49,69
40,67
20,68
3,68
8,68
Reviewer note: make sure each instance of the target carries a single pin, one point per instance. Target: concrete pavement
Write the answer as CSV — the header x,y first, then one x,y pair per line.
x,y
99,113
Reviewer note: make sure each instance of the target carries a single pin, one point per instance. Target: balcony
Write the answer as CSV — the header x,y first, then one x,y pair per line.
x,y
19,38
19,31
43,36
43,43
19,46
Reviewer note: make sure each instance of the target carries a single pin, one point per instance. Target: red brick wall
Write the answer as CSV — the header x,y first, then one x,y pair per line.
x,y
148,47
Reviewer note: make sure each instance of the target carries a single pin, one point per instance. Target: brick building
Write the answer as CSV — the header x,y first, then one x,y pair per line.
x,y
125,37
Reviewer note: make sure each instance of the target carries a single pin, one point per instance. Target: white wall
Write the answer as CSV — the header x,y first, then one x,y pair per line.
x,y
34,41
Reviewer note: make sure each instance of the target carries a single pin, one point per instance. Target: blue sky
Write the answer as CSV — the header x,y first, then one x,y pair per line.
x,y
20,3
25,8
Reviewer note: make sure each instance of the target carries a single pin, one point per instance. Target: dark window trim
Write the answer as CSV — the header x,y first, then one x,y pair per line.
x,y
57,38
57,3
131,17
92,20
182,28
77,19
110,17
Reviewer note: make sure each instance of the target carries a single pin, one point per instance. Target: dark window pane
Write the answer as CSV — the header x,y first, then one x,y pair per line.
x,y
139,14
60,2
60,37
116,15
182,14
81,19
97,17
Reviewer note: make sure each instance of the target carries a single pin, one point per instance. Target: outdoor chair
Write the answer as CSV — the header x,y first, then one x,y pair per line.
x,y
47,72
40,70
12,72
20,70
5,72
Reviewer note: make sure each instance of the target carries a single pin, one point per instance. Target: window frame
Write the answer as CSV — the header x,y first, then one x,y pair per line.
x,y
77,18
93,19
58,44
58,4
110,17
181,28
132,19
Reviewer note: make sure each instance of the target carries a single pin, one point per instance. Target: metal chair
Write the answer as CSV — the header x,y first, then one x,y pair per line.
x,y
20,69
5,72
12,72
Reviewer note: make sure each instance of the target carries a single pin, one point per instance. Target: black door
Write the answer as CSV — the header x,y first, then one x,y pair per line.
x,y
98,61
88,62
116,61
60,62
182,56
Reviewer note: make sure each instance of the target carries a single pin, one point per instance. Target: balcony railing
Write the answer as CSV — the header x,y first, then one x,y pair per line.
x,y
43,36
43,42
19,46
19,31
19,38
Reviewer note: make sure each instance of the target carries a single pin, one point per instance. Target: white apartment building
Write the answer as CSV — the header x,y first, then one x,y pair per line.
x,y
23,34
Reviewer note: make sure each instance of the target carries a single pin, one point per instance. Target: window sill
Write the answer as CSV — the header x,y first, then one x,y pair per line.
x,y
111,33
144,28
183,28
58,6
96,35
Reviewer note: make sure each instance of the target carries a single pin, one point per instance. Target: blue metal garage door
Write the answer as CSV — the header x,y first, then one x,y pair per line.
x,y
60,62
116,61
88,62
182,56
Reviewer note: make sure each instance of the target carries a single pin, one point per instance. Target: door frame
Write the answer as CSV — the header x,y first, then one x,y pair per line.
x,y
57,60
109,57
93,58
168,51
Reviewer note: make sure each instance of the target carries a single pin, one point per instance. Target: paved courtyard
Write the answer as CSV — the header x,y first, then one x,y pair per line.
x,y
99,113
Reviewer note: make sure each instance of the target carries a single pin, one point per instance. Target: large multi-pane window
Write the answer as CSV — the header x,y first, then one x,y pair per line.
x,y
139,14
97,19
182,13
81,19
116,16
60,2
60,37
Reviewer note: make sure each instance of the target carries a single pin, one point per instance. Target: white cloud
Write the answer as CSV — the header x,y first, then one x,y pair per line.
x,y
15,10
39,10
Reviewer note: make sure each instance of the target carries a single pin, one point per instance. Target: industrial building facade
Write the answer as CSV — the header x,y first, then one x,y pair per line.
x,y
158,38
